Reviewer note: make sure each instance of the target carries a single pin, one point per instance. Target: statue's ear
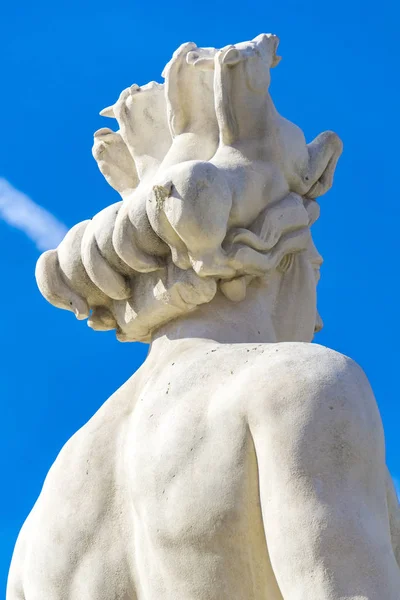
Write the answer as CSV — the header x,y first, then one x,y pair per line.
x,y
108,112
232,57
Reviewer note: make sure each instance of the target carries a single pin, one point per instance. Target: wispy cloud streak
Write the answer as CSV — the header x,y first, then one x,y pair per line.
x,y
19,211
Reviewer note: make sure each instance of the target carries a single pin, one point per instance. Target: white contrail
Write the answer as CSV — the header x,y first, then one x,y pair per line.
x,y
19,211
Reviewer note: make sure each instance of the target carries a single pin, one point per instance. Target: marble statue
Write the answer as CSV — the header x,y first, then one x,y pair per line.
x,y
240,461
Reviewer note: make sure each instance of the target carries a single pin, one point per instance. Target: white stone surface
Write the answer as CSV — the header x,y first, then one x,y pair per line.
x,y
240,461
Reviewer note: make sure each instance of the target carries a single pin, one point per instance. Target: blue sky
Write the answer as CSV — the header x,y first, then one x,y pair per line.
x,y
61,63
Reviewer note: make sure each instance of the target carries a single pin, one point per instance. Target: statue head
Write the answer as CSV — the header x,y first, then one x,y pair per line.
x,y
190,233
189,90
254,59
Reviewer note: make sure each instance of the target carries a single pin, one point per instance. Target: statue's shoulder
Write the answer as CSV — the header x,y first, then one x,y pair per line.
x,y
300,365
87,458
296,381
290,359
301,358
77,493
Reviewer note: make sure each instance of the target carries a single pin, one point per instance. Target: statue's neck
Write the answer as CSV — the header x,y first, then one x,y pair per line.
x,y
280,308
259,119
224,321
246,118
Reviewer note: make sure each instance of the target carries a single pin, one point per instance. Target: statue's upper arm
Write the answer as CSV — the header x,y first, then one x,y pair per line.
x,y
318,441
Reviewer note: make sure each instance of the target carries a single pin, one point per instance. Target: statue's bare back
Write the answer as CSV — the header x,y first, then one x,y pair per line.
x,y
159,497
